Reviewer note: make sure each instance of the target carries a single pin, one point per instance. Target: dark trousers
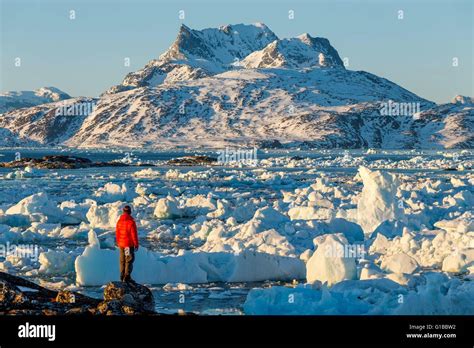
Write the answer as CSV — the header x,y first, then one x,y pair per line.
x,y
126,264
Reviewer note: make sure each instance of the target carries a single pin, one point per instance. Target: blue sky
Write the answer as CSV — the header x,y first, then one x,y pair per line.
x,y
85,56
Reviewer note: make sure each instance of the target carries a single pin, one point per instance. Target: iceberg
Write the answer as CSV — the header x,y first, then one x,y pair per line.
x,y
39,204
435,294
329,263
56,262
113,192
104,216
378,201
167,208
98,266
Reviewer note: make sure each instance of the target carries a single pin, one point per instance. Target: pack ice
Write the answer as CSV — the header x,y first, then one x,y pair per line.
x,y
187,267
418,259
413,234
378,201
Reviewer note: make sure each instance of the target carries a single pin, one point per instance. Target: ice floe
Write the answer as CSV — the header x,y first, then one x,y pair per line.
x,y
330,263
431,294
288,219
378,201
187,267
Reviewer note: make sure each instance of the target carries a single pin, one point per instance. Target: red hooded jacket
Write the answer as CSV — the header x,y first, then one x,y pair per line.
x,y
126,232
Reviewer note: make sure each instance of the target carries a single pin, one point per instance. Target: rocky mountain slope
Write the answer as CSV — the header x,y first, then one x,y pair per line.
x,y
200,53
24,99
242,85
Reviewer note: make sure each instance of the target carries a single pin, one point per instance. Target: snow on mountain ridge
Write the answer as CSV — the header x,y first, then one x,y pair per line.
x,y
52,93
300,52
461,99
294,91
324,108
199,53
43,124
22,99
225,44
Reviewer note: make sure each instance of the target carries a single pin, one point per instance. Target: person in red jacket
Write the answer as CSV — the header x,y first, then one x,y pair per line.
x,y
127,241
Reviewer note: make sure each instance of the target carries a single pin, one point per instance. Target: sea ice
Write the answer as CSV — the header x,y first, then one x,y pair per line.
x,y
113,192
378,201
104,216
98,266
330,263
167,208
40,204
399,263
56,262
431,294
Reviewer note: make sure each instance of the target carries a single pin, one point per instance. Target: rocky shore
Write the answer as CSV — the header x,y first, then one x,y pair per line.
x,y
192,161
19,296
74,162
61,162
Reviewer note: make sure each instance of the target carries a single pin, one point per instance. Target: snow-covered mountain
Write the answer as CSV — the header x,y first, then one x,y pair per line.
x,y
300,52
24,99
200,53
241,85
448,125
45,124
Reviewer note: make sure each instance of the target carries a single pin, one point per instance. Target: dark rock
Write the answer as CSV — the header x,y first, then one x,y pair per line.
x,y
11,296
129,310
80,311
65,296
111,164
61,162
51,162
34,299
117,307
19,296
192,161
48,311
269,144
22,312
308,145
113,307
133,295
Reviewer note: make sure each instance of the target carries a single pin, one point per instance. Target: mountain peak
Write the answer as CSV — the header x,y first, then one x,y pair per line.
x,y
48,92
305,37
301,52
461,99
21,99
183,30
258,26
221,45
184,27
202,53
51,92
